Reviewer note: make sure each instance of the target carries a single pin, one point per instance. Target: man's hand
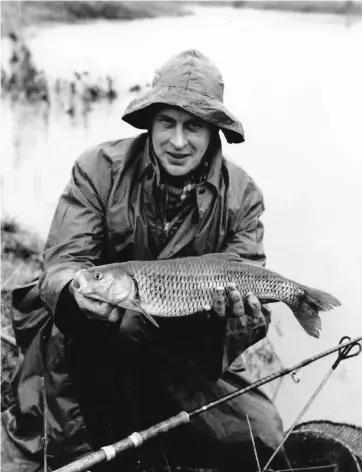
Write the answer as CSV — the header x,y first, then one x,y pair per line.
x,y
227,302
94,309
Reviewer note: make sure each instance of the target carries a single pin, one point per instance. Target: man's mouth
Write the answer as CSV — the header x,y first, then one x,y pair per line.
x,y
177,155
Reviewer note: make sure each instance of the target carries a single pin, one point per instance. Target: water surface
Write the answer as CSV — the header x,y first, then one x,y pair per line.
x,y
295,82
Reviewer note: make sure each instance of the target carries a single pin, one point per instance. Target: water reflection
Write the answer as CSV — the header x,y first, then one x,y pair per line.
x,y
31,96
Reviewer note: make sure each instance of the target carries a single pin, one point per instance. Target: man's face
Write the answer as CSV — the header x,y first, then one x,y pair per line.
x,y
180,140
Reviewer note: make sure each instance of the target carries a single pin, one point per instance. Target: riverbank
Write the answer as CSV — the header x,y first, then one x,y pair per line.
x,y
17,15
20,263
339,8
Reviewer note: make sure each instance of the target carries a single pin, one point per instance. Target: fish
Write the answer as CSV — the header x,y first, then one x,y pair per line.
x,y
184,286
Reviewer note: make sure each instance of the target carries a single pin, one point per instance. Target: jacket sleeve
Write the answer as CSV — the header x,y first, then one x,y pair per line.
x,y
246,240
77,232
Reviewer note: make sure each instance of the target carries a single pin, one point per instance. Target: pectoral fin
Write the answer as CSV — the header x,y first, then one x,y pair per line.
x,y
135,306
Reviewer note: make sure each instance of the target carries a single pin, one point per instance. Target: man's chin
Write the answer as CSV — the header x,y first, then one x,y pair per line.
x,y
177,167
176,170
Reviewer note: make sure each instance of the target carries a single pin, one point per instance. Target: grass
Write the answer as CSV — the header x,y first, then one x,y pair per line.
x,y
17,15
20,255
20,263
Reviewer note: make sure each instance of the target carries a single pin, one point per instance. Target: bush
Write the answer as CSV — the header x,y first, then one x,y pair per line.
x,y
20,263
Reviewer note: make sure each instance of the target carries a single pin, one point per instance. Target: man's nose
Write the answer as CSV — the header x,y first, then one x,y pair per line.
x,y
178,139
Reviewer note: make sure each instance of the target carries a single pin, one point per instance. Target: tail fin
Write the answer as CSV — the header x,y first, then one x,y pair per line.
x,y
311,304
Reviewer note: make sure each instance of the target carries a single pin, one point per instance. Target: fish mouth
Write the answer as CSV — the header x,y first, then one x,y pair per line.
x,y
76,283
79,282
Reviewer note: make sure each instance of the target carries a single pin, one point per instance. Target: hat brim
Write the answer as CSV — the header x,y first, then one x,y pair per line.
x,y
204,107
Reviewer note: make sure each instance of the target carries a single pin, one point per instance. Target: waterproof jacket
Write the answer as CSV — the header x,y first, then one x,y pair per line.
x,y
97,374
107,209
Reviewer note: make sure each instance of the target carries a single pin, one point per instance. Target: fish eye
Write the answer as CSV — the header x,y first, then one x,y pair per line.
x,y
98,275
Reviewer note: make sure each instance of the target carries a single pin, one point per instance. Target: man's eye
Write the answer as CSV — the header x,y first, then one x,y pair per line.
x,y
195,126
166,122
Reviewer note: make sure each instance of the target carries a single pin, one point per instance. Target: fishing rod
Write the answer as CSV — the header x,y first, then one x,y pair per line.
x,y
108,453
344,353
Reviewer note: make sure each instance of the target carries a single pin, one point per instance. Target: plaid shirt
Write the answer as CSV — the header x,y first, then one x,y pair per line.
x,y
175,192
174,199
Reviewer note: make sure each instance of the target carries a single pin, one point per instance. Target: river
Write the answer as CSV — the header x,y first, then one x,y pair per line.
x,y
294,80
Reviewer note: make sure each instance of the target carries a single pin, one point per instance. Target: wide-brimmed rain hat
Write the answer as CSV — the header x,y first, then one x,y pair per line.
x,y
192,82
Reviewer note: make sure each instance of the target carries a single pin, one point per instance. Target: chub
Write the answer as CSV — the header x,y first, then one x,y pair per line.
x,y
182,287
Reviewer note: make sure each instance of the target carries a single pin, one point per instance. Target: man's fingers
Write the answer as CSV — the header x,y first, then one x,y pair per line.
x,y
236,301
253,308
115,314
112,315
219,304
252,305
248,310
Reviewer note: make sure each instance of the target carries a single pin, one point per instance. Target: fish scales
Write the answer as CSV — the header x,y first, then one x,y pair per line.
x,y
180,287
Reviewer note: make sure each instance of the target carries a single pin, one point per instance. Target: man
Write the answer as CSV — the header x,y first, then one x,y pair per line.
x,y
108,372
